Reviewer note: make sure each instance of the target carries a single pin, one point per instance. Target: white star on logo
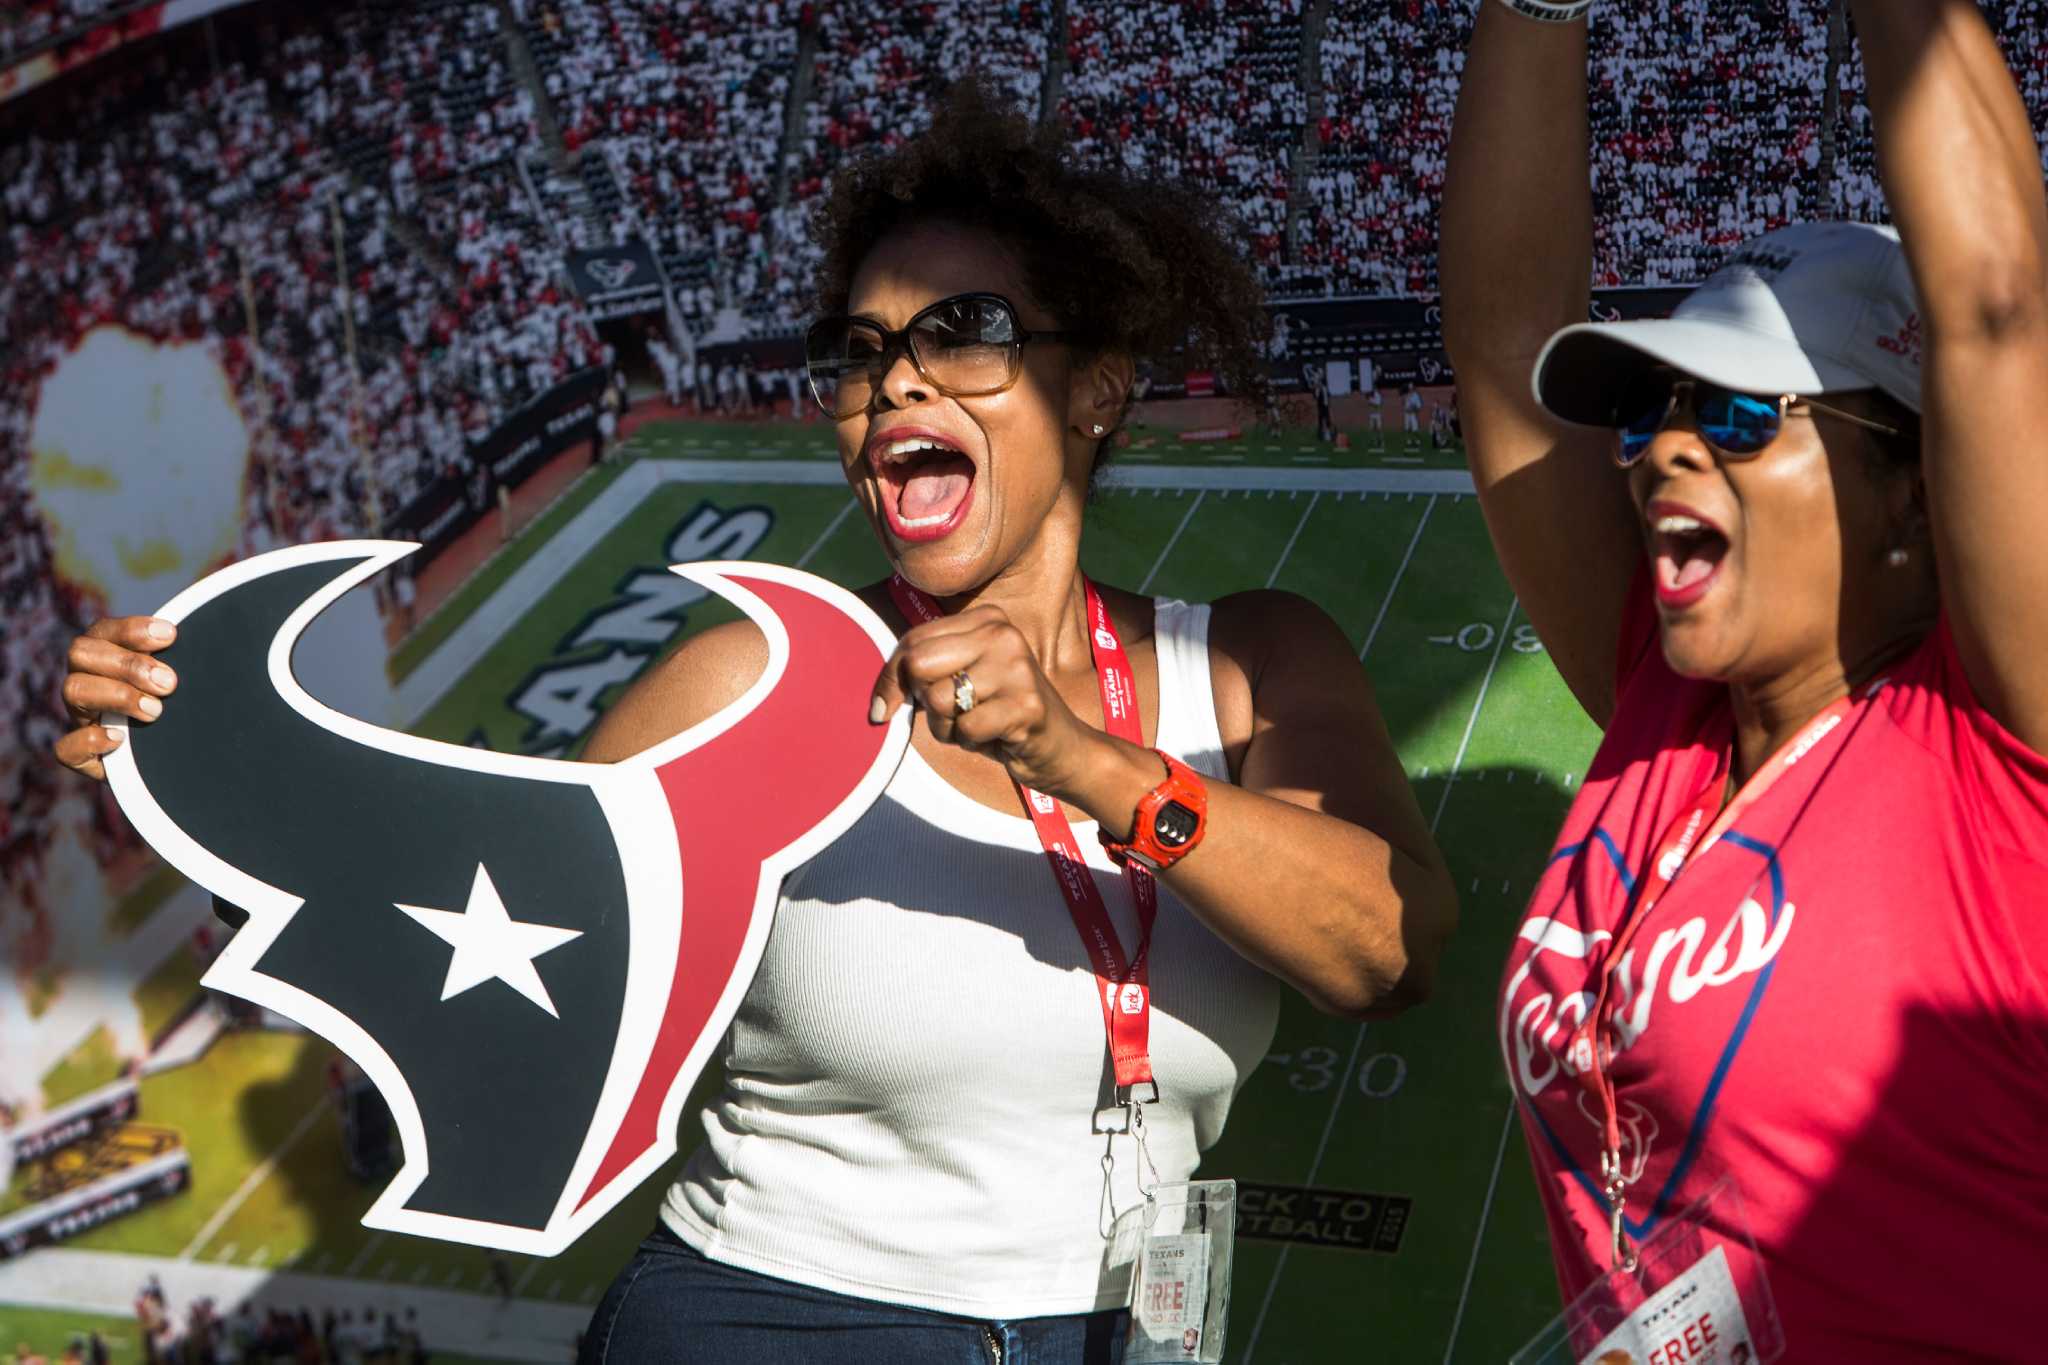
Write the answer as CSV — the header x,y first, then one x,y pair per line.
x,y
490,943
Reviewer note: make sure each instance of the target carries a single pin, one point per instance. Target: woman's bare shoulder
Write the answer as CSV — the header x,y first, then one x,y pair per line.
x,y
708,672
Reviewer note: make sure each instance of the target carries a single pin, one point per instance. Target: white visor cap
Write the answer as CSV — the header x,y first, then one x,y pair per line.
x,y
1808,309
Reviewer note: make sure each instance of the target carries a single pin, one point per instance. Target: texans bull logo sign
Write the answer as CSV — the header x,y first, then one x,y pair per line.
x,y
611,273
531,959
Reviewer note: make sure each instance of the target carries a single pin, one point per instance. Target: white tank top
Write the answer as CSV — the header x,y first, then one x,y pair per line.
x,y
912,1078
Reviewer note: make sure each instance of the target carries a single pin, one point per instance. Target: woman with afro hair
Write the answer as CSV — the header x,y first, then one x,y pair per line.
x,y
923,1144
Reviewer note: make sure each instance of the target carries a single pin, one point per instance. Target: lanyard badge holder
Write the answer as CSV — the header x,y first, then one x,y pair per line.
x,y
1180,1285
1178,1242
1675,1296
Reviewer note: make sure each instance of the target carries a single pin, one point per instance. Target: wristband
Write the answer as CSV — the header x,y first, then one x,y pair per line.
x,y
1168,823
1550,11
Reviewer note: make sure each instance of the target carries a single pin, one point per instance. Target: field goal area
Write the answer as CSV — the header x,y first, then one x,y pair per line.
x,y
1386,1208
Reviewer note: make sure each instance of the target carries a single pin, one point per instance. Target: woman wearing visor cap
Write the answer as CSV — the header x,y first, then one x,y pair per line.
x,y
1789,956
918,1154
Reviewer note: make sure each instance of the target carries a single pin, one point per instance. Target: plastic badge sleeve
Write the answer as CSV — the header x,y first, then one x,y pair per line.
x,y
1180,1286
1698,1294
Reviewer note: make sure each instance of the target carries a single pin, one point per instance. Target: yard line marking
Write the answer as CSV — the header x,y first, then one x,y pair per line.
x,y
1388,600
1337,1101
227,1253
263,1171
1493,1181
1451,778
454,1278
826,534
419,1276
1322,1145
1485,1212
362,1258
532,1269
1274,576
1172,540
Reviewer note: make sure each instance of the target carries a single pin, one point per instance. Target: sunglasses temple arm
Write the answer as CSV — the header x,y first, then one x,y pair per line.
x,y
1833,411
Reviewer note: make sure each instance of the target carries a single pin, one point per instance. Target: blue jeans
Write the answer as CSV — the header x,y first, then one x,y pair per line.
x,y
670,1304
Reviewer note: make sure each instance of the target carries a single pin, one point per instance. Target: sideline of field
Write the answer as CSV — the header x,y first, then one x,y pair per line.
x,y
467,643
105,1283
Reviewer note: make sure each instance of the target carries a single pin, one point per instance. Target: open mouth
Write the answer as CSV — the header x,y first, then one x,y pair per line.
x,y
1687,553
926,485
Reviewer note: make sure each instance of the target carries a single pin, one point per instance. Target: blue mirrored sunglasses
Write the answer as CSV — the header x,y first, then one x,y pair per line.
x,y
1735,426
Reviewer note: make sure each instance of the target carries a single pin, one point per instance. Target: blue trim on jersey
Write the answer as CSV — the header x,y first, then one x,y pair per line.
x,y
1703,1114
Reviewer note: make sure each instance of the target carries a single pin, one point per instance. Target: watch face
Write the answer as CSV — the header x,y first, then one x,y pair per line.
x,y
1174,825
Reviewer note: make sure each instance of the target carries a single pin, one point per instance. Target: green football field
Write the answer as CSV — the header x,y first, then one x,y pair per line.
x,y
1415,1108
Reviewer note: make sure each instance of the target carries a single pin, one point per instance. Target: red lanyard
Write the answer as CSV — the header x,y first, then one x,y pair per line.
x,y
1591,1053
1123,987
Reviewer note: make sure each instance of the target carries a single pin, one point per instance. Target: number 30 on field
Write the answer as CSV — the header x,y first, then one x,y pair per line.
x,y
1313,1069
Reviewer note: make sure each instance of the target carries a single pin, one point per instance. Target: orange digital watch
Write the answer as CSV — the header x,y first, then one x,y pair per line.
x,y
1169,822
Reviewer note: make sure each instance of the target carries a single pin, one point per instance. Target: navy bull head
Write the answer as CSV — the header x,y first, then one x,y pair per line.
x,y
531,959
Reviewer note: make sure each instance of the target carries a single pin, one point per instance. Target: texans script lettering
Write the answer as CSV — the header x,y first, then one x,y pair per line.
x,y
1533,1028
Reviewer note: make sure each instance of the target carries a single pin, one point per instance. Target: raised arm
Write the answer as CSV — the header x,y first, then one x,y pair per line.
x,y
1516,261
1963,175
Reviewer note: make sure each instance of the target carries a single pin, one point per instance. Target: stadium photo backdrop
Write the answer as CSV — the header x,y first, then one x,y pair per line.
x,y
522,282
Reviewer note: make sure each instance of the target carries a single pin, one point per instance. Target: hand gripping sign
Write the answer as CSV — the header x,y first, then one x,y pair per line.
x,y
531,959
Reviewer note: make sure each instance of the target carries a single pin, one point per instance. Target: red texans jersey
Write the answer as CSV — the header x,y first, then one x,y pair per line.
x,y
1839,1003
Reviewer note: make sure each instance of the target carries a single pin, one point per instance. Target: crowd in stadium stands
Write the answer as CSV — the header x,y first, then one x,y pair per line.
x,y
1389,79
31,23
39,606
1210,93
874,77
180,181
148,196
252,1336
2020,25
1707,133
684,106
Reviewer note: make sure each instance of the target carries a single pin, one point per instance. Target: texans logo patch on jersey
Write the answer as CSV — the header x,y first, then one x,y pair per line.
x,y
531,959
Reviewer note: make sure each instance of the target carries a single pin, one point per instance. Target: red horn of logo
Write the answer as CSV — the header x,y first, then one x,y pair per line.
x,y
748,793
